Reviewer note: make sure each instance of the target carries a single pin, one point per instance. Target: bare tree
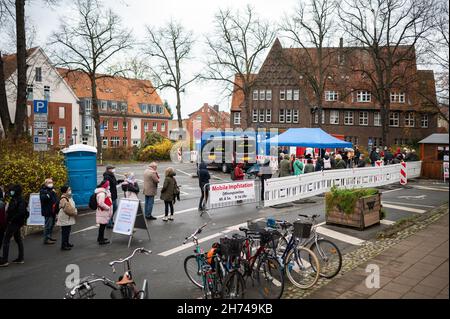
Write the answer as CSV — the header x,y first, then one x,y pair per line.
x,y
236,48
169,47
134,68
87,43
389,33
311,27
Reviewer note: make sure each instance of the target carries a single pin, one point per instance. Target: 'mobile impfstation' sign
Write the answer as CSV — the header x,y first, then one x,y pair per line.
x,y
238,191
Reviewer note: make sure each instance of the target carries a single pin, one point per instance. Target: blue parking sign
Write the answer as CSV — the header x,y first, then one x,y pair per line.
x,y
40,107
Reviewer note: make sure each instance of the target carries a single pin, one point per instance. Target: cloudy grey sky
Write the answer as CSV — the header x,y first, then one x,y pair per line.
x,y
196,15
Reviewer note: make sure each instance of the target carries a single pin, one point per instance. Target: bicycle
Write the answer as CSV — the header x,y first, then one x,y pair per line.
x,y
233,283
124,288
329,255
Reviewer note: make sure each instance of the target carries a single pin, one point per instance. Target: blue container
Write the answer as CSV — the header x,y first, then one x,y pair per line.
x,y
81,163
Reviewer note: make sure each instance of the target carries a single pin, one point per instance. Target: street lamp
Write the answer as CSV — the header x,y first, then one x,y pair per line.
x,y
74,135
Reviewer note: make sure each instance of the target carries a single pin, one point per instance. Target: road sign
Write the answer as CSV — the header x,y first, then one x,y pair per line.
x,y
102,130
40,107
40,132
40,140
40,124
41,117
40,147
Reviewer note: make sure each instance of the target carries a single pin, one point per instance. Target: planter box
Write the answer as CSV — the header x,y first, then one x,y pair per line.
x,y
366,213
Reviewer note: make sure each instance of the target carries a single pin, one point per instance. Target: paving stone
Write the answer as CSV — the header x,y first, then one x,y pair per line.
x,y
414,295
426,290
399,288
434,260
385,294
405,280
434,281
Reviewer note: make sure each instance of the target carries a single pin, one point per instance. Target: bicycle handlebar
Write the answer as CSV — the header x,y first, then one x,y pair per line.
x,y
309,216
198,231
141,250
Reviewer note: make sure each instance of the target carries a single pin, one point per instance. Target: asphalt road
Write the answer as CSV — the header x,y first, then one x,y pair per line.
x,y
44,273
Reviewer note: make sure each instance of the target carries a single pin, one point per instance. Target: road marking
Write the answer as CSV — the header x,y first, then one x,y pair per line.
x,y
406,209
432,188
339,236
221,179
190,175
181,212
387,222
84,229
392,190
408,204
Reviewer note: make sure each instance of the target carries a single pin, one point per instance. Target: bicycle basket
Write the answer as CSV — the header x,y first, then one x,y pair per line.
x,y
256,225
302,229
267,236
231,247
84,291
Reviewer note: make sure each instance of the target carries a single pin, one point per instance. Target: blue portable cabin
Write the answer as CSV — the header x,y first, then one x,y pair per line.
x,y
81,164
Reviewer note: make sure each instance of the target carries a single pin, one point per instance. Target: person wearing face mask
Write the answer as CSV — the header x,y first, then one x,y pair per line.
x,y
104,210
17,215
66,216
109,175
130,186
49,209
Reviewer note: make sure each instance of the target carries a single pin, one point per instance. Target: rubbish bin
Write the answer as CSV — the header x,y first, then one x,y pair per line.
x,y
81,163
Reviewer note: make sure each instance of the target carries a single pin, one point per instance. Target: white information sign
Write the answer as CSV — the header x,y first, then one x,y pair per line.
x,y
230,192
34,207
126,216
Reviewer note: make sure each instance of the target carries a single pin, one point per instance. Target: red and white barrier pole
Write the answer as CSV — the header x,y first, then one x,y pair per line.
x,y
403,175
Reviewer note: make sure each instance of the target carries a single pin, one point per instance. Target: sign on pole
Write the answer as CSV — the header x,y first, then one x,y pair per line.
x,y
446,170
34,207
40,107
125,220
230,192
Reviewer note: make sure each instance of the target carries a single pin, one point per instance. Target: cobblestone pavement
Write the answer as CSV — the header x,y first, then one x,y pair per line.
x,y
413,264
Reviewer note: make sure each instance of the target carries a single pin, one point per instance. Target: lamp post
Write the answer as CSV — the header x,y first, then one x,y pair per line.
x,y
74,135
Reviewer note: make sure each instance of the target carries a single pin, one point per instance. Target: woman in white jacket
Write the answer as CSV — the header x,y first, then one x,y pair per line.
x,y
66,216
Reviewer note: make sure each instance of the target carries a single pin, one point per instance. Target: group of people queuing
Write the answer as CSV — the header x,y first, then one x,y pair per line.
x,y
60,210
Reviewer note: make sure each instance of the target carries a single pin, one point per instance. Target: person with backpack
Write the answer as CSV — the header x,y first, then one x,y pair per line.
x,y
66,216
203,182
298,166
49,209
109,175
239,172
16,217
2,218
104,210
168,193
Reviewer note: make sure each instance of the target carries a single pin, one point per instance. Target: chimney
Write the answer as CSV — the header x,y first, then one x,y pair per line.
x,y
341,51
216,107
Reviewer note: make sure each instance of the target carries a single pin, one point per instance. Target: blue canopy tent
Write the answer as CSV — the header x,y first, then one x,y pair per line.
x,y
308,137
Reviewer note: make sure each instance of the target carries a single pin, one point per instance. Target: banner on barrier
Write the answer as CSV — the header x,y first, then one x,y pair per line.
x,y
230,192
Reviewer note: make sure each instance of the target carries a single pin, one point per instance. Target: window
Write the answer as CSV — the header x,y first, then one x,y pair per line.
x,y
262,95
123,107
125,125
62,136
152,108
115,141
30,92
348,117
38,75
364,118
269,95
282,95
424,121
268,115
161,110
145,108
255,95
363,96
84,140
394,119
377,119
199,118
163,127
105,125
114,106
104,141
288,116
261,116
334,117
50,134
47,93
87,107
296,95
410,120
397,97
135,143
87,124
104,105
237,118
146,127
115,125
289,95
316,117
155,126
295,116
331,96
124,141
255,116
281,115
62,113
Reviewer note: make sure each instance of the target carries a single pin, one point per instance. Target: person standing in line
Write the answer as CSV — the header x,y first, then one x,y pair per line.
x,y
319,165
2,218
340,163
327,162
362,161
291,162
357,155
285,167
265,172
374,156
151,180
109,175
49,209
16,217
239,172
104,210
66,216
388,156
130,186
203,181
309,167
298,166
168,193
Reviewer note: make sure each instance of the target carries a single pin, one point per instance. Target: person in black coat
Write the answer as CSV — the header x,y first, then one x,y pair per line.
x,y
49,209
16,217
203,180
2,218
108,175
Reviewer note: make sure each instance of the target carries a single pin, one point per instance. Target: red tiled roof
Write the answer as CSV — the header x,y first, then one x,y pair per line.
x,y
10,62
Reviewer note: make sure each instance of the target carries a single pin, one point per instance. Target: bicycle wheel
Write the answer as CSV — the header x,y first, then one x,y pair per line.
x,y
270,277
329,256
299,270
192,268
233,286
281,246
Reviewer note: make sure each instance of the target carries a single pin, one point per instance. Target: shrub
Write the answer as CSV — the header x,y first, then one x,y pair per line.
x,y
156,152
19,164
152,138
345,199
118,153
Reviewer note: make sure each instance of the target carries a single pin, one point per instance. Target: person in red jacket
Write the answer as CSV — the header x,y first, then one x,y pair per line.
x,y
239,172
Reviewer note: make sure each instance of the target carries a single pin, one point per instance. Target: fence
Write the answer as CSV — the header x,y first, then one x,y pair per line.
x,y
288,189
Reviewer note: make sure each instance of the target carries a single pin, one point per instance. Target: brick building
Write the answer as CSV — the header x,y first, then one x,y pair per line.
x,y
282,98
128,109
209,117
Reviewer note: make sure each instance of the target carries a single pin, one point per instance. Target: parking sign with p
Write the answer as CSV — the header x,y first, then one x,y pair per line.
x,y
40,107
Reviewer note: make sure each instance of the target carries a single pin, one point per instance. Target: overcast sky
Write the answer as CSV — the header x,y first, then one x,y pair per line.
x,y
196,15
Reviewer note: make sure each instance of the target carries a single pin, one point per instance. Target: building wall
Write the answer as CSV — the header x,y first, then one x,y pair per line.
x,y
150,123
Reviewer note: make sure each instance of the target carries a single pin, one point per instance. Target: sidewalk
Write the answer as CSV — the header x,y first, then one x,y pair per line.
x,y
415,268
